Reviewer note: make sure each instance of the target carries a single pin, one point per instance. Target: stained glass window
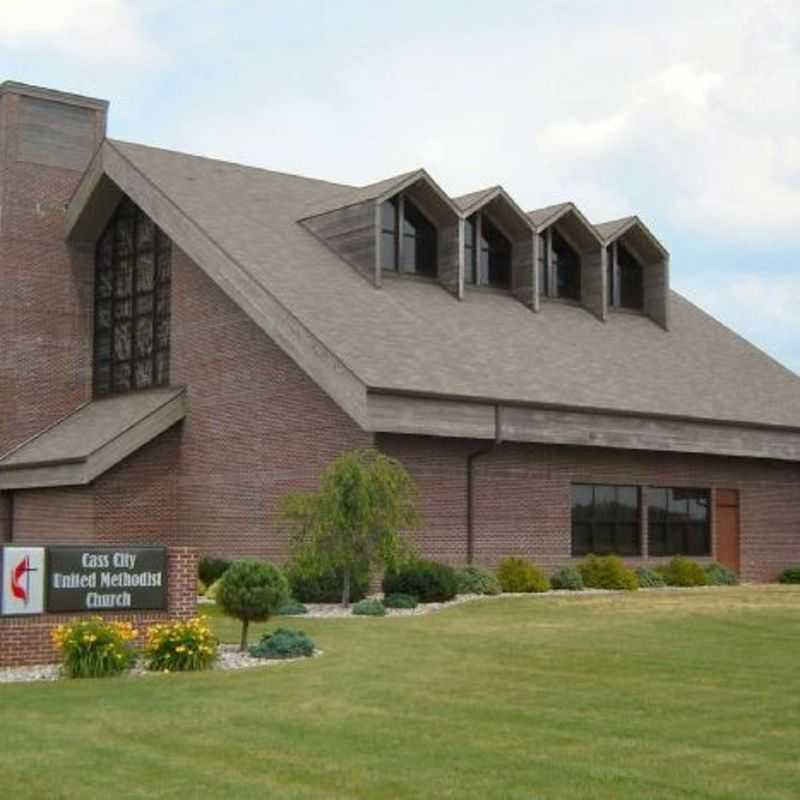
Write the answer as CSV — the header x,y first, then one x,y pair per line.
x,y
132,304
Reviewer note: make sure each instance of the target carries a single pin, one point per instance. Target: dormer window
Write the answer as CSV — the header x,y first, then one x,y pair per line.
x,y
408,238
559,266
487,253
625,284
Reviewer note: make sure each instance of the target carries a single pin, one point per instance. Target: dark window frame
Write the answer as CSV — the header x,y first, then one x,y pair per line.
x,y
588,527
684,528
132,288
625,278
411,231
488,253
559,266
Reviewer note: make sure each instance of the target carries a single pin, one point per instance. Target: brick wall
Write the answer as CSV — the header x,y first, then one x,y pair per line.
x,y
522,497
26,640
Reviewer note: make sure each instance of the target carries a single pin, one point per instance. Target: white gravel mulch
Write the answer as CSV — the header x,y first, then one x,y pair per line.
x,y
229,658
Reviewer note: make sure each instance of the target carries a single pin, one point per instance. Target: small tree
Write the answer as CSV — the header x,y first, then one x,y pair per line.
x,y
252,591
360,515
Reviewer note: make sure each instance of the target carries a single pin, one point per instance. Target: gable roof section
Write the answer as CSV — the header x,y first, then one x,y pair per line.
x,y
615,229
92,439
407,339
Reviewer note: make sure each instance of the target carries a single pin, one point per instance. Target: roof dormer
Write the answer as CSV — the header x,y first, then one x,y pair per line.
x,y
497,243
637,269
404,225
569,257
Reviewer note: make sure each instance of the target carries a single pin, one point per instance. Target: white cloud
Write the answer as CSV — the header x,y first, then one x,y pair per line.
x,y
94,32
691,119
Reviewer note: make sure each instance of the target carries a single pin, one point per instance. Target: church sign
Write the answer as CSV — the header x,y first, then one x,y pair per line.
x,y
63,579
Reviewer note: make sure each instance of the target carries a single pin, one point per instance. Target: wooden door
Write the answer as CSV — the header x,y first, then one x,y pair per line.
x,y
726,515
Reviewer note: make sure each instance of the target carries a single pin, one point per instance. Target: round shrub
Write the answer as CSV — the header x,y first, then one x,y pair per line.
x,y
682,571
790,575
607,572
252,591
428,581
719,575
201,588
568,578
94,648
292,608
211,569
520,575
211,591
283,643
310,584
369,608
648,579
477,580
180,646
400,601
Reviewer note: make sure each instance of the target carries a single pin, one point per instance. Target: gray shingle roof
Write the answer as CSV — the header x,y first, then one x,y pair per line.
x,y
541,215
413,335
91,427
608,229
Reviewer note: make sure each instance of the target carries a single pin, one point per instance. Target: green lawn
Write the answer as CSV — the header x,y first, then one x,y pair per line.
x,y
648,695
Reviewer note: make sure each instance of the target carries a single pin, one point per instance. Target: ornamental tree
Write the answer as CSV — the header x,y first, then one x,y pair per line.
x,y
361,515
251,591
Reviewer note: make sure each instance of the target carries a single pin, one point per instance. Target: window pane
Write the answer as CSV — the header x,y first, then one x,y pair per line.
x,y
627,504
605,502
144,336
143,373
567,267
419,241
678,505
388,251
498,253
123,275
102,346
627,539
389,215
631,286
122,377
145,272
657,539
102,315
676,538
698,540
105,284
603,543
657,505
610,274
581,538
698,506
122,341
544,283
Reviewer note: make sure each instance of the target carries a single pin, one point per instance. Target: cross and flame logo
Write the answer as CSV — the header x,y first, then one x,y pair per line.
x,y
20,578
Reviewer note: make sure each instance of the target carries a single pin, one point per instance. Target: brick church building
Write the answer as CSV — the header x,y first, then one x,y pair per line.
x,y
184,340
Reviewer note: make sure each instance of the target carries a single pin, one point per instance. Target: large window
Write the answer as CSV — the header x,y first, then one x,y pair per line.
x,y
487,253
408,238
625,285
605,519
678,522
543,264
132,304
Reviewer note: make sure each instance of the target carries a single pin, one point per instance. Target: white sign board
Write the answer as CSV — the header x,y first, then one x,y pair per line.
x,y
23,580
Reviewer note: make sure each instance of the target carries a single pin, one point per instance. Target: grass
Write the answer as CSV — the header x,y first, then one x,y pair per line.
x,y
692,694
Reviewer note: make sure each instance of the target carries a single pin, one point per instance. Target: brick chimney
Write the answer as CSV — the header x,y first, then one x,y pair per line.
x,y
47,139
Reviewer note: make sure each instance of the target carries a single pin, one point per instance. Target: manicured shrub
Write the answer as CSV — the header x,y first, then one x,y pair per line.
x,y
400,601
607,572
520,575
790,575
211,569
719,575
568,578
649,579
477,580
211,591
369,608
292,608
201,588
180,646
94,648
428,581
252,591
283,643
309,583
682,571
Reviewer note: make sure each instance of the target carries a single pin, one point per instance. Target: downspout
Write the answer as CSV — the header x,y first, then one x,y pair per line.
x,y
471,458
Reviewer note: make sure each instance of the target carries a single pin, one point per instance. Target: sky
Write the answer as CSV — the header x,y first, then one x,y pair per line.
x,y
685,113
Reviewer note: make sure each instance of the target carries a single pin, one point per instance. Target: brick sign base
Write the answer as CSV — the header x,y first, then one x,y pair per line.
x,y
26,640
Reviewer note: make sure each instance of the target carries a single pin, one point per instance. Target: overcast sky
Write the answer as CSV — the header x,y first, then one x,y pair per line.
x,y
686,113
